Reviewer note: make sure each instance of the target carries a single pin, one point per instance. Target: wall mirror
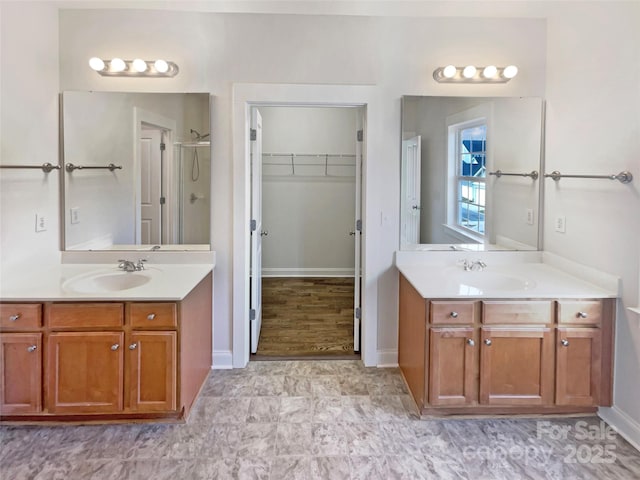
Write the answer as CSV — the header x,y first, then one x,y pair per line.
x,y
470,173
137,170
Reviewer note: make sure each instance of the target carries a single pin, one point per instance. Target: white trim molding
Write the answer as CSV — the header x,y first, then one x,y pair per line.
x,y
622,423
222,360
388,358
307,272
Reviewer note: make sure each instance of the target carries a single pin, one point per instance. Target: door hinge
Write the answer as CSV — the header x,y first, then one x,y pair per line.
x,y
162,200
359,225
253,134
163,147
252,314
253,225
358,313
360,135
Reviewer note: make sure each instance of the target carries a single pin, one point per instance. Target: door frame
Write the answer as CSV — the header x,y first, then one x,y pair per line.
x,y
246,96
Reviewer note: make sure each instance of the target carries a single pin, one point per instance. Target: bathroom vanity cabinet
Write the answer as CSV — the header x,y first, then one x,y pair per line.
x,y
482,355
97,360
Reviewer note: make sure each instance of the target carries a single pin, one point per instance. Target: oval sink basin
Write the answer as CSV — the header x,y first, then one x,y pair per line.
x,y
479,282
107,281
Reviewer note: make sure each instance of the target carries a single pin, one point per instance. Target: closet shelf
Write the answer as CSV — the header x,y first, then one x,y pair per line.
x,y
309,164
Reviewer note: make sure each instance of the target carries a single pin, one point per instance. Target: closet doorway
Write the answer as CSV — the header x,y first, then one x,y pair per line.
x,y
306,166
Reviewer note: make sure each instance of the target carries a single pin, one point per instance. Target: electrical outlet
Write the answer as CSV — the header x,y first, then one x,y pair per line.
x,y
560,224
75,215
529,216
41,222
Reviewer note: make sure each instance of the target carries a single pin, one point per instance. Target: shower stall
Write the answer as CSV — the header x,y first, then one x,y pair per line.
x,y
193,172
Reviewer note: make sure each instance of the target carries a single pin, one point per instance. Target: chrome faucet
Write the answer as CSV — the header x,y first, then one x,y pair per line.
x,y
476,265
129,266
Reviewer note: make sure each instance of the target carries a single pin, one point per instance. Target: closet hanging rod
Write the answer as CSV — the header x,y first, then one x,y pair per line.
x,y
317,155
622,177
70,167
499,173
45,167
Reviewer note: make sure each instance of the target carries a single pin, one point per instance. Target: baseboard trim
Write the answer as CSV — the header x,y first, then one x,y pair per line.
x,y
307,272
622,423
387,358
222,360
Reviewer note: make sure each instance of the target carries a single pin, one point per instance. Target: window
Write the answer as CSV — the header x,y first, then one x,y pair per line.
x,y
469,141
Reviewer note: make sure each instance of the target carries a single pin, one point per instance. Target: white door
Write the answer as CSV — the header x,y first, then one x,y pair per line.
x,y
150,183
357,277
410,197
256,229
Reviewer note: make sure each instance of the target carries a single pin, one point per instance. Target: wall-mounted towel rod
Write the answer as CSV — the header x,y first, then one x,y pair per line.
x,y
499,173
622,177
45,167
70,167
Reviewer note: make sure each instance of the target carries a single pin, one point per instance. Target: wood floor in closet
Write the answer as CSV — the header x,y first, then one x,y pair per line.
x,y
306,317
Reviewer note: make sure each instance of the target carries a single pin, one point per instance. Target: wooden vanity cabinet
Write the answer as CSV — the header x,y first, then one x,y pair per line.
x,y
106,361
506,356
20,358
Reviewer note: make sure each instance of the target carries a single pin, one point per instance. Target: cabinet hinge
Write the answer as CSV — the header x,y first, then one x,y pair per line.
x,y
163,147
358,313
359,225
253,134
162,200
253,225
360,135
252,314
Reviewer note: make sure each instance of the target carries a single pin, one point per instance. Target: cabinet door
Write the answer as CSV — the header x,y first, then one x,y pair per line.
x,y
152,361
516,366
85,372
453,366
21,370
578,366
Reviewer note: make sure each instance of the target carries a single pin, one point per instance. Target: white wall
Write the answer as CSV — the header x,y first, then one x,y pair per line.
x,y
308,215
569,53
28,133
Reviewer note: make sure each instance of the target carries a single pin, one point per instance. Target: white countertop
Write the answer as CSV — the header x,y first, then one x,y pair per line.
x,y
530,280
169,282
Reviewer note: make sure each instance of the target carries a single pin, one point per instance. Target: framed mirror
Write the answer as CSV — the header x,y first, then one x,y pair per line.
x,y
471,173
137,170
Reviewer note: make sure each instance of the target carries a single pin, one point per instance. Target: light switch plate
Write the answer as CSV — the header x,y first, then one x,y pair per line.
x,y
560,224
41,222
75,215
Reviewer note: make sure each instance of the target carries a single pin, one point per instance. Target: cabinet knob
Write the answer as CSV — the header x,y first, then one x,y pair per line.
x,y
32,348
115,346
471,342
454,314
15,317
487,342
151,316
564,342
582,315
133,346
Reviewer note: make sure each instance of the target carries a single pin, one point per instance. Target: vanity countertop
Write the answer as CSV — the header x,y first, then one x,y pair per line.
x,y
167,282
504,281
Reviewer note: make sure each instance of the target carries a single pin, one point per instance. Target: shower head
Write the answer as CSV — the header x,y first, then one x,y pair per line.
x,y
198,136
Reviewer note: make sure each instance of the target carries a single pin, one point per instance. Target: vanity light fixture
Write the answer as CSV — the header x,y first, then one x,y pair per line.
x,y
138,67
473,74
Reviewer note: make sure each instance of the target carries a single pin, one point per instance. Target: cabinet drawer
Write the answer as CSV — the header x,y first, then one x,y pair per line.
x,y
579,312
151,315
20,316
506,312
81,315
452,312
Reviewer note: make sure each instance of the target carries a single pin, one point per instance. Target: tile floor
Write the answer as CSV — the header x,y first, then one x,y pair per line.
x,y
318,420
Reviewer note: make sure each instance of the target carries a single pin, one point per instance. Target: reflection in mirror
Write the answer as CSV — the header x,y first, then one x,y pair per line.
x,y
469,173
156,194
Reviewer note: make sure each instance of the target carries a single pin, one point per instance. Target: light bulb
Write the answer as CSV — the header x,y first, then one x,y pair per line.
x,y
510,71
96,63
469,71
117,65
139,65
161,66
449,71
489,71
